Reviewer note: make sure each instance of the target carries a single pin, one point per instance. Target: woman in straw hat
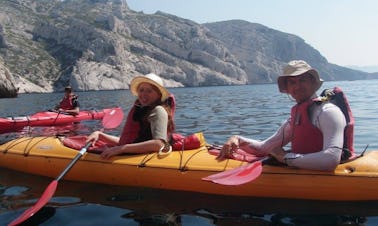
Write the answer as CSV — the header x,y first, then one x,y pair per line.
x,y
149,122
315,129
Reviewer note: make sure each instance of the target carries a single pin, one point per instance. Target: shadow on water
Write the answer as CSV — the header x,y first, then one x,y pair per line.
x,y
76,203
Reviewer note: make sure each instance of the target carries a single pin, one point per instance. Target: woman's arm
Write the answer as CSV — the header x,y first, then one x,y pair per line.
x,y
107,138
135,148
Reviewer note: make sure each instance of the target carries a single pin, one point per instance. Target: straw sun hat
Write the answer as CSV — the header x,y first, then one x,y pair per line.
x,y
296,68
152,79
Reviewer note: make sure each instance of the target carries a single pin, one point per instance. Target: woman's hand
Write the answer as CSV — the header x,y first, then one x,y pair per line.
x,y
229,147
93,137
107,152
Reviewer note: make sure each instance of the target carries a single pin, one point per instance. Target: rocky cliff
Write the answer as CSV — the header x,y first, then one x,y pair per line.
x,y
7,88
102,45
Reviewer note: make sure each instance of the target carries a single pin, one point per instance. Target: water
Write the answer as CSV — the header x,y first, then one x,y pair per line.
x,y
254,111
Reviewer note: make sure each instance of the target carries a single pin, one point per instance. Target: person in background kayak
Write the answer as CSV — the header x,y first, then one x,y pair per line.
x,y
69,103
315,130
149,122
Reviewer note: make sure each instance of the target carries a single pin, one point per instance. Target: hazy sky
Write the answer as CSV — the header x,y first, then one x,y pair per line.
x,y
343,31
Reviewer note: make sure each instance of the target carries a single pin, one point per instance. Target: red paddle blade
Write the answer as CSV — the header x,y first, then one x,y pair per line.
x,y
224,174
46,196
112,118
230,172
249,173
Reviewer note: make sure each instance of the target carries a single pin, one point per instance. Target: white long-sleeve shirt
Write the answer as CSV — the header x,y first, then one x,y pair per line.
x,y
331,122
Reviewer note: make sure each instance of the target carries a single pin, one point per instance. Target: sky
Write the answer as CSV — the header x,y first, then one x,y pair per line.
x,y
343,31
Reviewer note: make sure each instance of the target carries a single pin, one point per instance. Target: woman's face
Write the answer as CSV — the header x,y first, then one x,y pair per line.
x,y
148,94
301,87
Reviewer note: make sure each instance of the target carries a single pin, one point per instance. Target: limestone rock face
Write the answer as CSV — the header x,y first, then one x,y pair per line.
x,y
102,45
7,88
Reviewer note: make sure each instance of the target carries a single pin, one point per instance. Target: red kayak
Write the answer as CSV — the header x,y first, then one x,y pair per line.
x,y
50,118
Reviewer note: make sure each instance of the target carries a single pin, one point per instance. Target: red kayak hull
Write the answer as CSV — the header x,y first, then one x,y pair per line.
x,y
47,118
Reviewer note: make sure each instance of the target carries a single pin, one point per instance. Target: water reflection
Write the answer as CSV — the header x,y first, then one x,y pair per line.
x,y
77,203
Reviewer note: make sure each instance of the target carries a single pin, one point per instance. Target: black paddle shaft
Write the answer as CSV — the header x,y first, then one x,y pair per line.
x,y
77,157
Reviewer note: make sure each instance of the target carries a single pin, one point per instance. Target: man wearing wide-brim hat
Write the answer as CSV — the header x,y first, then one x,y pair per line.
x,y
316,130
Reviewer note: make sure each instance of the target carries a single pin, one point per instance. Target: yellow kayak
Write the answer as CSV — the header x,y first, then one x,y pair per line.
x,y
184,170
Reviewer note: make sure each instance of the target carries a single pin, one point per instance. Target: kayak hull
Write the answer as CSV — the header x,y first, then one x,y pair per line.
x,y
49,118
182,171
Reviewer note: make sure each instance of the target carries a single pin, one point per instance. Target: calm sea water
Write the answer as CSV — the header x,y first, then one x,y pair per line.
x,y
254,111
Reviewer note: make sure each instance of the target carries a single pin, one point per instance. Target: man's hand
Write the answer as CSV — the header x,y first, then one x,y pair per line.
x,y
228,148
279,154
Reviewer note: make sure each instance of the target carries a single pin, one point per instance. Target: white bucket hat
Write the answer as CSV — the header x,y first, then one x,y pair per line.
x,y
296,68
152,79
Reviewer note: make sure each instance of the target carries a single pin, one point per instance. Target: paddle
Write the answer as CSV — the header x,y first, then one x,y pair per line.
x,y
225,173
237,155
239,175
111,120
57,116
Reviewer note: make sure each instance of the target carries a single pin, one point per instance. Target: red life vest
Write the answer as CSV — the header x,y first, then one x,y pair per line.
x,y
307,138
131,129
67,102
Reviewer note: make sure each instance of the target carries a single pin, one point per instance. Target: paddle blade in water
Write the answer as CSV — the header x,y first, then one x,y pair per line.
x,y
112,118
46,196
247,174
49,191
